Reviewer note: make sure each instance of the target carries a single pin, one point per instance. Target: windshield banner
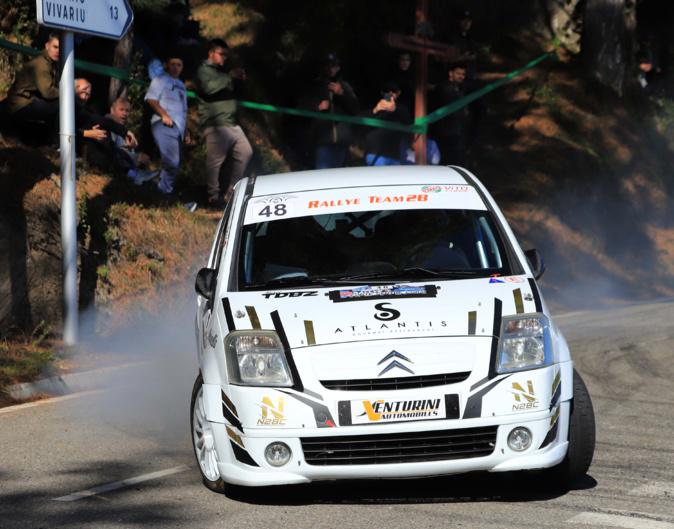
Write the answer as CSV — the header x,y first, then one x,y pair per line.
x,y
343,200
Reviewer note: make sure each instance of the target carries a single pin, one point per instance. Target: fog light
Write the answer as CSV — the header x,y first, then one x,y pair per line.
x,y
519,439
277,454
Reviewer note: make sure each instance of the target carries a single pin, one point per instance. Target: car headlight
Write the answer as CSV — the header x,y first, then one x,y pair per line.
x,y
524,343
256,358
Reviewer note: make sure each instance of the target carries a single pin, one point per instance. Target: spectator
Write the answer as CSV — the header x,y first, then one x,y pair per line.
x,y
329,93
34,94
217,89
124,147
168,99
82,96
403,76
649,76
450,132
382,146
463,40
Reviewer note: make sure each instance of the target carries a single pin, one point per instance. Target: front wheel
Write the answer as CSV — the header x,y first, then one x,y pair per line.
x,y
581,437
203,441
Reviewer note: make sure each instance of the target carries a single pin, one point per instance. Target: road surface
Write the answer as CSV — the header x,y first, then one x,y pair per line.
x,y
122,458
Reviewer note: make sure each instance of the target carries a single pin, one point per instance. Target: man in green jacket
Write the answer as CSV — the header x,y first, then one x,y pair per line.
x,y
34,96
216,89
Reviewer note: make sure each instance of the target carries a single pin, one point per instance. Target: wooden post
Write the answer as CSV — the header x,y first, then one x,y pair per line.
x,y
420,149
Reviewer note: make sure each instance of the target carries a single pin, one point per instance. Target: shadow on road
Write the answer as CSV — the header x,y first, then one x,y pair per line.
x,y
478,487
28,505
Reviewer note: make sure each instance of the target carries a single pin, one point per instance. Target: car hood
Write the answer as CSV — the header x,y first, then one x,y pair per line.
x,y
322,316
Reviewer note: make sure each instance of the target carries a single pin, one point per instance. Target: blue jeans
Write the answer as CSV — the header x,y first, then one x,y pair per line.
x,y
169,141
375,159
329,156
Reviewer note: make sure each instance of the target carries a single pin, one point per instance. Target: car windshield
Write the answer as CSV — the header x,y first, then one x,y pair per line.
x,y
366,246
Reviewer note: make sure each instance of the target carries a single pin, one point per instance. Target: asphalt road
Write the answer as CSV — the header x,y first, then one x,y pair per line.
x,y
129,448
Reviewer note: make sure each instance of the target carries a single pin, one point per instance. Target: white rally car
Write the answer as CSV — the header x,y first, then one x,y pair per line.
x,y
378,323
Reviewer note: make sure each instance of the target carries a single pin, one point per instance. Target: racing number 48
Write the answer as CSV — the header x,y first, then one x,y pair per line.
x,y
278,211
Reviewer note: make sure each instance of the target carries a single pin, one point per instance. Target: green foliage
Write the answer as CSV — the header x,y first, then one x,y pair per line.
x,y
138,83
103,272
149,5
26,358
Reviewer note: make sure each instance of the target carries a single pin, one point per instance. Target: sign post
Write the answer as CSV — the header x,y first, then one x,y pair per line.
x,y
101,18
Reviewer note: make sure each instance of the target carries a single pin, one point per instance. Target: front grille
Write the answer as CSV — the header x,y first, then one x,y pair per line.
x,y
372,384
409,447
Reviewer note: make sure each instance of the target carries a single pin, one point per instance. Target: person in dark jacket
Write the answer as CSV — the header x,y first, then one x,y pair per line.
x,y
450,132
331,94
383,146
217,89
34,96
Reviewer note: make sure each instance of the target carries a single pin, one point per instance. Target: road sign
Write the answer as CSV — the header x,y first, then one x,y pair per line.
x,y
102,18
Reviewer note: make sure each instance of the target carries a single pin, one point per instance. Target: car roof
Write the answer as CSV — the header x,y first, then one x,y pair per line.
x,y
355,177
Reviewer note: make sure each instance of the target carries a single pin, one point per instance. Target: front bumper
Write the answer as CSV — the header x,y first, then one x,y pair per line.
x,y
257,472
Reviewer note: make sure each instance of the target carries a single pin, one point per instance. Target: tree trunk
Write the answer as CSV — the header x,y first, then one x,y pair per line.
x,y
565,21
122,59
609,33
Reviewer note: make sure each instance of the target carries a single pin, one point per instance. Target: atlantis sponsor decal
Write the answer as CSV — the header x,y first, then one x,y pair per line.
x,y
525,398
390,327
272,412
380,411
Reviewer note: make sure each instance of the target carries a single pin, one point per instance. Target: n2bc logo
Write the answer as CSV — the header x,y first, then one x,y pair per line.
x,y
272,414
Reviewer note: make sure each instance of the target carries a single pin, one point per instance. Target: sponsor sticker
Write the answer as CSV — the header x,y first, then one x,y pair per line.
x,y
271,412
506,279
524,396
454,188
383,292
383,411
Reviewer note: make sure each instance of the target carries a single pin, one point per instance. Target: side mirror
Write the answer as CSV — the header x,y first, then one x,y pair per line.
x,y
535,262
205,282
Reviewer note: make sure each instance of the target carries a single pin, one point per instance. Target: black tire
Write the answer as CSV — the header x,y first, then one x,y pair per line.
x,y
215,486
581,437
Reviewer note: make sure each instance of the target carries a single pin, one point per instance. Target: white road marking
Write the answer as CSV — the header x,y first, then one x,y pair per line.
x,y
654,488
44,402
616,520
121,484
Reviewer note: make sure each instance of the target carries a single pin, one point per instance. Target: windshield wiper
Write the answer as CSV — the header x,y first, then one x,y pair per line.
x,y
413,272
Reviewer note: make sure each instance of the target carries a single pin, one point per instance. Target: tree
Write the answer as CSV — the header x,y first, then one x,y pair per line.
x,y
609,41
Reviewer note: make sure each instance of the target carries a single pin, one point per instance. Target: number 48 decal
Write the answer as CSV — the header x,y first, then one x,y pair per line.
x,y
277,211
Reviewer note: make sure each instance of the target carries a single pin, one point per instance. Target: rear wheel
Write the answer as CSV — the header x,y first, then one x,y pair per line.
x,y
581,437
203,441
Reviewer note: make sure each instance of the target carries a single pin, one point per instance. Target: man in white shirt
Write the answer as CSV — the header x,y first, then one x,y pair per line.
x,y
168,99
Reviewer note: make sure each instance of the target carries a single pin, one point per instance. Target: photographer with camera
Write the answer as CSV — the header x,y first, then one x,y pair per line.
x,y
330,93
382,146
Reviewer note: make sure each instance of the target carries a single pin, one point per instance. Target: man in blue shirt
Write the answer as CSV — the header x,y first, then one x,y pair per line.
x,y
168,99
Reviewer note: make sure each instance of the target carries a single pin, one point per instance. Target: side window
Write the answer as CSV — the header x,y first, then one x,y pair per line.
x,y
222,236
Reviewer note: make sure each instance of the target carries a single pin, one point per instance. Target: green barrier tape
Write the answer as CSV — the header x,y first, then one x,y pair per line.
x,y
370,122
460,103
92,67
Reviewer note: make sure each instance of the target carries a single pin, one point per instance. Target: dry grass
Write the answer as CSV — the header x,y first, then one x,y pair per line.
x,y
150,250
237,25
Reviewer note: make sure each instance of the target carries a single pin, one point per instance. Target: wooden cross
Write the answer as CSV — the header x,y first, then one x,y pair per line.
x,y
423,47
